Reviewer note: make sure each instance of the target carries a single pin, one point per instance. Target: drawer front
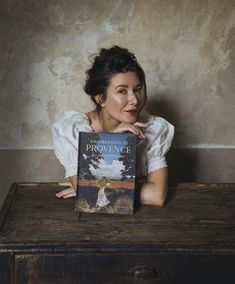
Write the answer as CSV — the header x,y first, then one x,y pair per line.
x,y
124,268
6,268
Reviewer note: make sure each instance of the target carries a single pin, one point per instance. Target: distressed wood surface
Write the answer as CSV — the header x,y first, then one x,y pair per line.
x,y
196,216
189,240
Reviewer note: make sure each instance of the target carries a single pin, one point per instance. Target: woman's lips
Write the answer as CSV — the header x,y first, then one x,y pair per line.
x,y
132,111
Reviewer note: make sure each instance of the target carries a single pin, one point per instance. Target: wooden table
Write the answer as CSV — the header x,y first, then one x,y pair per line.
x,y
189,240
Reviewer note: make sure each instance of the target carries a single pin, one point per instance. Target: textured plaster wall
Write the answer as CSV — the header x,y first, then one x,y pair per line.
x,y
187,48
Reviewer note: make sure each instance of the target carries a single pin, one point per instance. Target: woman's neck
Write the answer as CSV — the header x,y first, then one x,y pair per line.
x,y
100,122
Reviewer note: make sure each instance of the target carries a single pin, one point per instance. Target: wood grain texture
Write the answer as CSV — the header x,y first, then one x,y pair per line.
x,y
199,216
188,240
7,204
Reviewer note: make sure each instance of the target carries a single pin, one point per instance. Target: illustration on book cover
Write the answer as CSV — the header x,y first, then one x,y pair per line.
x,y
106,173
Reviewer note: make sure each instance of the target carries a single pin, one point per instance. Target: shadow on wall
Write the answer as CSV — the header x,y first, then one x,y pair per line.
x,y
182,161
31,165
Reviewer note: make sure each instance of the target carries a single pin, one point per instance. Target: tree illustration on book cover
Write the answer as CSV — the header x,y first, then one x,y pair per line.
x,y
106,173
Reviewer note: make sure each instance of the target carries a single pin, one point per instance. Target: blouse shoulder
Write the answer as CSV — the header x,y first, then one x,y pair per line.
x,y
160,129
65,139
159,135
72,120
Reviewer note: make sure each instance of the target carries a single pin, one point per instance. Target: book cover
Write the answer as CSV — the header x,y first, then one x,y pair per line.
x,y
106,173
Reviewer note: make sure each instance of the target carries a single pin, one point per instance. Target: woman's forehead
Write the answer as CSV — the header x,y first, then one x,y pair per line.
x,y
125,79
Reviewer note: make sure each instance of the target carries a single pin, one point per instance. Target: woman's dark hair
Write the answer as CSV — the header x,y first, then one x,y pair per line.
x,y
108,63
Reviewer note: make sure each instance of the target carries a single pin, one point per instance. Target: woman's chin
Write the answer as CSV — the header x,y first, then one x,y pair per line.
x,y
131,120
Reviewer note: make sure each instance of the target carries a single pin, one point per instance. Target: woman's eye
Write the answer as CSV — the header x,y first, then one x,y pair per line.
x,y
122,92
138,91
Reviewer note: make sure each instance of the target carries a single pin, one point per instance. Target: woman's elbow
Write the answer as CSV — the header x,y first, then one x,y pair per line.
x,y
153,195
160,202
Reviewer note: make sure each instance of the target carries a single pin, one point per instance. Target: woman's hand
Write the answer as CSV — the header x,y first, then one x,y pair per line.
x,y
134,128
67,192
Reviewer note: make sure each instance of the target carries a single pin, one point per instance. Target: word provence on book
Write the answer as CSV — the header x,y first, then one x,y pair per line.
x,y
106,173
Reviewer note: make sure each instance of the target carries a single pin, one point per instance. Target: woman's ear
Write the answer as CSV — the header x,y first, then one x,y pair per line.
x,y
100,100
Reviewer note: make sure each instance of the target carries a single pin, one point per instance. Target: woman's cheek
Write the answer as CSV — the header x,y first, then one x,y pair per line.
x,y
120,100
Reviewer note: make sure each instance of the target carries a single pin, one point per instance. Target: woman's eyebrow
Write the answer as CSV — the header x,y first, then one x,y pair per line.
x,y
123,86
126,86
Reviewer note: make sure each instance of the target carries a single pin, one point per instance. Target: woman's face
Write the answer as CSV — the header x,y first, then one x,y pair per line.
x,y
123,98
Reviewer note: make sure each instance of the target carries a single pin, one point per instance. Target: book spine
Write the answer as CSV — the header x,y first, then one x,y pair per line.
x,y
78,169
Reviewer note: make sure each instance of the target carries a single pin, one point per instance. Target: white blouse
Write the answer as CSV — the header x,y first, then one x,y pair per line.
x,y
151,151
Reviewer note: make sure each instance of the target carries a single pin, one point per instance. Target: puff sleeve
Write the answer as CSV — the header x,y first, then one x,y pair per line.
x,y
159,134
65,139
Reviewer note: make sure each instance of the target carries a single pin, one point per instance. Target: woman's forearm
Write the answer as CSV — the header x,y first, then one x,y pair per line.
x,y
154,190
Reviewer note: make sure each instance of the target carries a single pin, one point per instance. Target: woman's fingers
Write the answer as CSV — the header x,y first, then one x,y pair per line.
x,y
141,124
71,194
65,193
134,128
66,183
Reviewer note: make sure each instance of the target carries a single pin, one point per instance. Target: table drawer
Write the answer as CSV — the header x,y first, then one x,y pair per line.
x,y
124,268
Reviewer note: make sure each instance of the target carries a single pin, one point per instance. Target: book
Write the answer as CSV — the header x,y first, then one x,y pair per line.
x,y
106,173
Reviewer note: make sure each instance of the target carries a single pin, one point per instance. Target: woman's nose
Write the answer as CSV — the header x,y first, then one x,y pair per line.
x,y
134,98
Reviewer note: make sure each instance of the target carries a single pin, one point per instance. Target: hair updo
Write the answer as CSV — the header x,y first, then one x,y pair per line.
x,y
108,63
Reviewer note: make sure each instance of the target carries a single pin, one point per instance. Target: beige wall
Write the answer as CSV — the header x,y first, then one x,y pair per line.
x,y
187,48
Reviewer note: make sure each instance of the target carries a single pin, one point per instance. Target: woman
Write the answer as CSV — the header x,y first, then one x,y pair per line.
x,y
116,84
102,199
